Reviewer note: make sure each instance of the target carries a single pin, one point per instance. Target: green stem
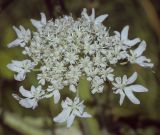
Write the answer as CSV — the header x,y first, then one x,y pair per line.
x,y
36,70
77,93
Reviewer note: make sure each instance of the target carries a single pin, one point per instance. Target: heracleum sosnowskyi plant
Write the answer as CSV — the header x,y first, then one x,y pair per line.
x,y
65,49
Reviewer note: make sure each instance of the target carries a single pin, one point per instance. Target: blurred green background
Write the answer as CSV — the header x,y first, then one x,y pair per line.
x,y
109,118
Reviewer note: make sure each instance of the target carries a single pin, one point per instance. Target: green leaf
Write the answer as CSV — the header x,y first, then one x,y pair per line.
x,y
84,88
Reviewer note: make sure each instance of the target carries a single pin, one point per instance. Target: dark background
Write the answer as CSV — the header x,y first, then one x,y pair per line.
x,y
143,17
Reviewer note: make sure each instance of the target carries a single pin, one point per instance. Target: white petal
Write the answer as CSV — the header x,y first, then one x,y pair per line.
x,y
118,80
18,32
110,77
28,103
94,91
141,48
43,18
39,89
84,13
117,33
17,63
48,95
144,62
56,96
77,113
15,43
28,32
15,96
138,88
70,120
62,117
23,31
86,115
14,68
124,33
132,79
109,70
35,104
20,76
25,93
130,95
142,59
33,89
25,103
124,79
72,88
42,81
132,42
64,105
81,107
100,19
68,101
146,65
36,23
122,96
76,100
93,14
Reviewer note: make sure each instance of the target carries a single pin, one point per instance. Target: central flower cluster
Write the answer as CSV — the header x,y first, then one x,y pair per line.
x,y
65,49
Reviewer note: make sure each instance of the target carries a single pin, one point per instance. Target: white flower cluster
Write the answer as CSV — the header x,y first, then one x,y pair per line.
x,y
63,50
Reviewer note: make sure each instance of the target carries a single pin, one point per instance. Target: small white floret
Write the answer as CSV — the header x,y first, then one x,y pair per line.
x,y
71,109
23,37
41,23
123,87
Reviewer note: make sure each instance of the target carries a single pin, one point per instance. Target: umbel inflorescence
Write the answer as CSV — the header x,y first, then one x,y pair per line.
x,y
63,50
